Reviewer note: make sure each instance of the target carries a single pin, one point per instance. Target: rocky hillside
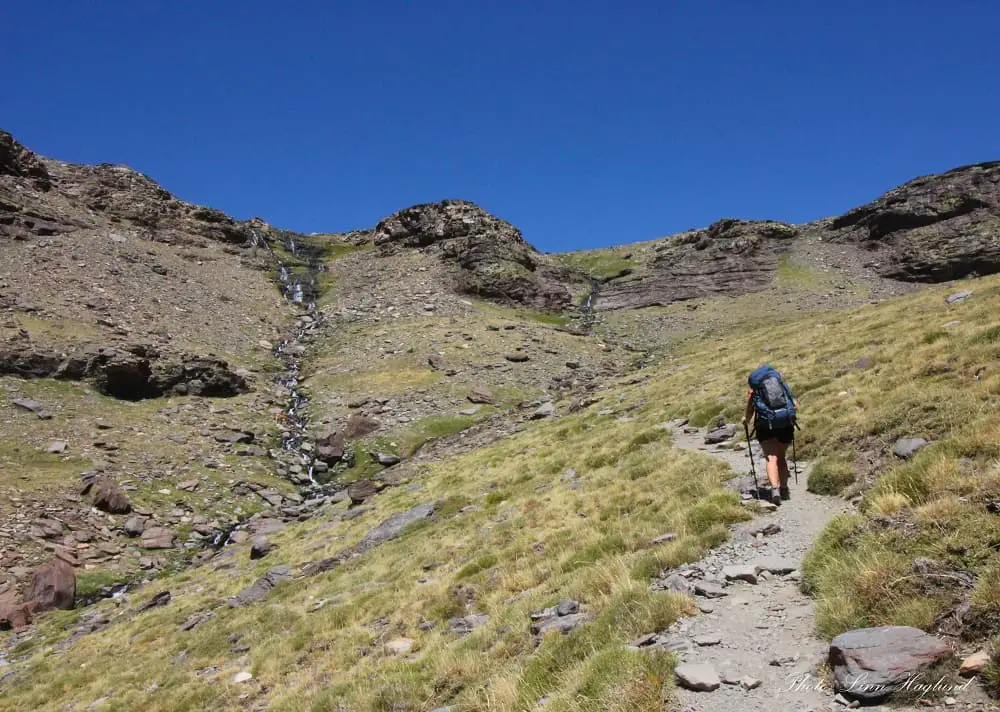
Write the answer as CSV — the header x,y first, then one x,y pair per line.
x,y
423,465
932,229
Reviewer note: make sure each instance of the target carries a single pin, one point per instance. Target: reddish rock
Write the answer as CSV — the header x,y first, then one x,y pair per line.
x,y
359,425
15,615
330,445
480,394
158,538
109,497
871,663
52,586
361,490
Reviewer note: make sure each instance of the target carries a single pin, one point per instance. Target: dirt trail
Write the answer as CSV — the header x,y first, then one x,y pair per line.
x,y
764,630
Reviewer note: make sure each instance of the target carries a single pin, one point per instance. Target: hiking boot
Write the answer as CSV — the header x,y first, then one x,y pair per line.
x,y
776,497
785,493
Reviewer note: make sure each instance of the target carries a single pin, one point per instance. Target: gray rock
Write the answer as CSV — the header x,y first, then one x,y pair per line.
x,y
749,683
135,526
57,447
467,624
563,624
720,434
870,663
387,459
768,529
32,406
260,546
700,677
706,641
261,588
676,583
271,497
665,538
546,410
741,572
709,590
775,565
567,607
906,448
957,297
393,527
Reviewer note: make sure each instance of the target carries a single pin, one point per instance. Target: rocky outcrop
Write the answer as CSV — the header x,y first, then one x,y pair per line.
x,y
491,258
135,372
932,229
40,196
728,258
18,161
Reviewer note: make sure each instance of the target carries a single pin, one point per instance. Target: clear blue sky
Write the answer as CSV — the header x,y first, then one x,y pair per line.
x,y
583,123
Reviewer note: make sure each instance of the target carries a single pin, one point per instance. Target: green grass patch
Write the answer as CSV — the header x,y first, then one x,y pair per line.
x,y
830,475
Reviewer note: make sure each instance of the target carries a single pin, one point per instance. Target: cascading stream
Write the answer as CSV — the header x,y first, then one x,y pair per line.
x,y
299,289
587,309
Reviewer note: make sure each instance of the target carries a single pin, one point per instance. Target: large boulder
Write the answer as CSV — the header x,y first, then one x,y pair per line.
x,y
110,498
870,664
52,586
330,446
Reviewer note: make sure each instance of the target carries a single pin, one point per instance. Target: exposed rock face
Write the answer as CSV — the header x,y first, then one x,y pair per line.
x,y
493,260
53,586
16,160
934,228
135,372
729,257
88,195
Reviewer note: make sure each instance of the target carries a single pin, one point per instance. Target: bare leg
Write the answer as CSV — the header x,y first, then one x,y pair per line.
x,y
772,450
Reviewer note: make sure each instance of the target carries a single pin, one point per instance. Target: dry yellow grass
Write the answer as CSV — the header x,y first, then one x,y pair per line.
x,y
513,536
514,533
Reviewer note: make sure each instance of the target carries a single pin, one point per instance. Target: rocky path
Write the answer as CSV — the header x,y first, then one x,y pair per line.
x,y
758,637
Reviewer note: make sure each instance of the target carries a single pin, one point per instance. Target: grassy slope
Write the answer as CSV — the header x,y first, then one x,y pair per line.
x,y
867,376
513,537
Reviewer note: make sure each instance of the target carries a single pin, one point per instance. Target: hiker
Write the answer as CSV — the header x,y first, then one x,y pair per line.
x,y
773,408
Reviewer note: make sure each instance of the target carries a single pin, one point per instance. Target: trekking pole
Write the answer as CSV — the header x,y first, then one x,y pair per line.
x,y
753,469
795,459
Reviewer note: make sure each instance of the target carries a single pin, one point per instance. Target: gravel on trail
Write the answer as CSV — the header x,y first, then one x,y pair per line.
x,y
766,630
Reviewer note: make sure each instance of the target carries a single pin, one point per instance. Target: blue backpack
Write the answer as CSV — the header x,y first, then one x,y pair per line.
x,y
772,398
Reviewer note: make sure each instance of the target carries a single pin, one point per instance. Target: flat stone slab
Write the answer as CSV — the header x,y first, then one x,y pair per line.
x,y
741,572
700,677
775,565
709,590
